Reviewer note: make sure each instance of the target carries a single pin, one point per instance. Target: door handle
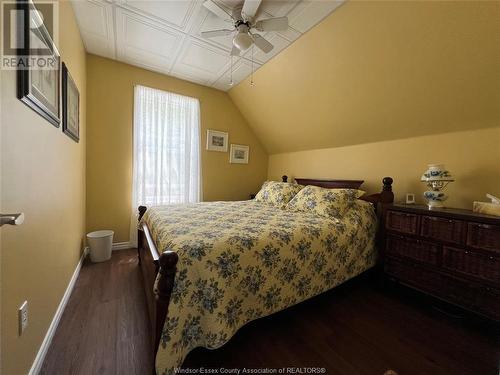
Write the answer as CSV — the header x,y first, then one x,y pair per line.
x,y
11,219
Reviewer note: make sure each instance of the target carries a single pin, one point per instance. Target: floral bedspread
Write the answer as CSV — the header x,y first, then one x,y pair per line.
x,y
239,261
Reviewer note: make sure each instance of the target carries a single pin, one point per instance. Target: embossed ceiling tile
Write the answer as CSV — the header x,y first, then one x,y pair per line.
x,y
97,46
221,85
142,40
278,8
144,64
187,75
95,21
241,70
202,57
176,13
290,34
308,13
94,17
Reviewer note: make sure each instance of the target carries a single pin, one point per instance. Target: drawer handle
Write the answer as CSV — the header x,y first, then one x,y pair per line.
x,y
407,215
484,226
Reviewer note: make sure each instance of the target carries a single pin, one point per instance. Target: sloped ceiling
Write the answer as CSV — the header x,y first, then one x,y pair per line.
x,y
165,35
376,71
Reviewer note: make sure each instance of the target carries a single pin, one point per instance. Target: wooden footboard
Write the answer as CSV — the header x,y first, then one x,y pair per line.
x,y
158,272
159,267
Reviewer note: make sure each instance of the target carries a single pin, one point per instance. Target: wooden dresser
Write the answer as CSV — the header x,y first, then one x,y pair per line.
x,y
451,254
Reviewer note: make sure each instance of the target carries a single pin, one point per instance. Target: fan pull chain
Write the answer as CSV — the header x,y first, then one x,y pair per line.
x,y
231,81
251,78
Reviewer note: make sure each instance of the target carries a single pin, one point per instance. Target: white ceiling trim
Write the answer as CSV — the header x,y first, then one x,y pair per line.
x,y
165,35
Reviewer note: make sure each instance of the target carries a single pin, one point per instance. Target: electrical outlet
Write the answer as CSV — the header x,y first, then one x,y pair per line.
x,y
23,317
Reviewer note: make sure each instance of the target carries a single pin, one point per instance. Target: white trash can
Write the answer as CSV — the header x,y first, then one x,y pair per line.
x,y
100,243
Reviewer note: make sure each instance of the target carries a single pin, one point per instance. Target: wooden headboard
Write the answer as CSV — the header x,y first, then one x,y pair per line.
x,y
328,184
384,197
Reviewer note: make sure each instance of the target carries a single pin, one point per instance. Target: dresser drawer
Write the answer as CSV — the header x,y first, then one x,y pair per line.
x,y
484,236
488,302
414,275
441,229
460,292
401,222
412,248
483,266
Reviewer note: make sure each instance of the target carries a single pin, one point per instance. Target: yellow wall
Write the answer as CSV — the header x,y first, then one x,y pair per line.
x,y
109,146
473,157
43,174
374,71
385,88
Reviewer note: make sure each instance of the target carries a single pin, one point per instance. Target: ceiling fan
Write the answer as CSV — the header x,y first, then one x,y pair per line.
x,y
243,19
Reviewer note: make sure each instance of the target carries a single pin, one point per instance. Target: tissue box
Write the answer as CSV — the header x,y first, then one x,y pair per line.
x,y
486,208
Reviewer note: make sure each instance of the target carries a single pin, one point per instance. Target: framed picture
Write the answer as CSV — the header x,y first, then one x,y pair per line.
x,y
239,154
217,141
71,105
38,83
410,198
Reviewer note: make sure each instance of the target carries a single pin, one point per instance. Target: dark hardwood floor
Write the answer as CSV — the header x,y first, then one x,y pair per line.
x,y
354,329
104,329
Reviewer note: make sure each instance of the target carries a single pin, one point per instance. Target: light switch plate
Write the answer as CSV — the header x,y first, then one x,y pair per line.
x,y
23,317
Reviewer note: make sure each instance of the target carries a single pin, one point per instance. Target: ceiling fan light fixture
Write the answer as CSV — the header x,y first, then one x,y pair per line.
x,y
242,41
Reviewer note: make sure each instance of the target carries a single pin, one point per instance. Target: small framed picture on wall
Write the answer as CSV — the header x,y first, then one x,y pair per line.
x,y
71,105
239,154
217,141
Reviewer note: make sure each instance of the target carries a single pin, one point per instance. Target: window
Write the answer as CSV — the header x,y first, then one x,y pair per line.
x,y
166,166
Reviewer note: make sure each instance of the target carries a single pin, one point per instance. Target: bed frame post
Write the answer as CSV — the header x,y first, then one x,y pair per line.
x,y
386,195
382,199
163,290
142,211
140,233
158,270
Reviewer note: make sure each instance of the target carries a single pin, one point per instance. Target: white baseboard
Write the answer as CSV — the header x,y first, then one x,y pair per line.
x,y
42,352
122,246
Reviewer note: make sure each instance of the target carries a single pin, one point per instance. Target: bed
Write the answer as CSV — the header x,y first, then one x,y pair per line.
x,y
224,264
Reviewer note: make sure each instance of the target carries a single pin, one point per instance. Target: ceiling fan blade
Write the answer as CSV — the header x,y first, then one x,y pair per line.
x,y
216,9
237,13
249,9
262,43
235,51
215,33
272,24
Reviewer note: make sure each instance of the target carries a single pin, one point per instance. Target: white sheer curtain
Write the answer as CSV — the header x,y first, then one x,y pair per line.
x,y
166,166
